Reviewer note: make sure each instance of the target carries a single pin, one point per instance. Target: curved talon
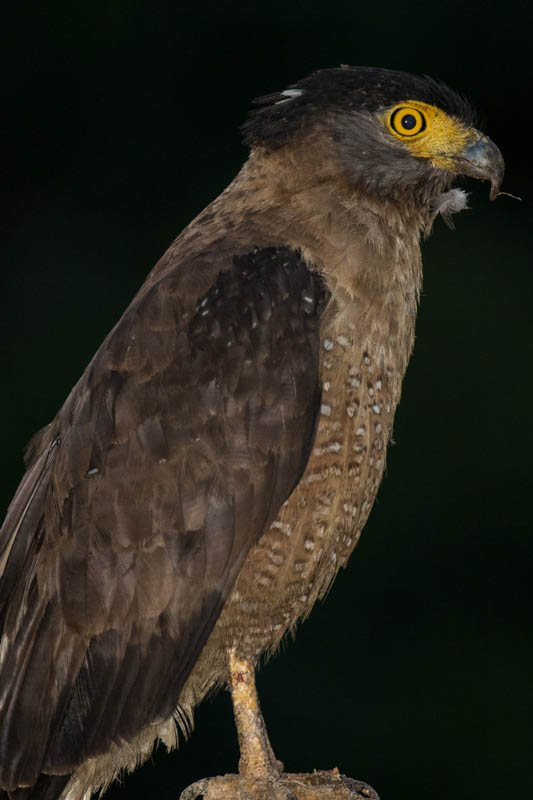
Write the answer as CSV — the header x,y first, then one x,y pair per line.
x,y
362,790
288,786
195,790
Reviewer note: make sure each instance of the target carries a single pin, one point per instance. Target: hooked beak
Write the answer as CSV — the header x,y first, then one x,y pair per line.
x,y
482,159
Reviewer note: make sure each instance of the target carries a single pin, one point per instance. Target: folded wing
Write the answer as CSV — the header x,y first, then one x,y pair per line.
x,y
186,433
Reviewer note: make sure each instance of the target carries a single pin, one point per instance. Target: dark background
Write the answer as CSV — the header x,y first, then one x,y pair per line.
x,y
120,123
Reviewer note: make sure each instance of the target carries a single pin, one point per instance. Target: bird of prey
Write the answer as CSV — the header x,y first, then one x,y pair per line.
x,y
215,464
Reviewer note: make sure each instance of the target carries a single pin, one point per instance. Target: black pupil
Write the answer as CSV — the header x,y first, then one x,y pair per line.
x,y
408,121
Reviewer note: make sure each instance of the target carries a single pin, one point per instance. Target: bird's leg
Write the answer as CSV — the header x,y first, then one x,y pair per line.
x,y
260,775
257,757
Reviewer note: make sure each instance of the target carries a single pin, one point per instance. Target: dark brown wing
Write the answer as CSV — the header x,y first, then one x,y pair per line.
x,y
187,432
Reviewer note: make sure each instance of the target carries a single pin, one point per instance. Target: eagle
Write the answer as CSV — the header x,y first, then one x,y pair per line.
x,y
214,466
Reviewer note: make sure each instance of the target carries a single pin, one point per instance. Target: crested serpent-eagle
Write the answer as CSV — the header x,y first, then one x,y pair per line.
x,y
214,466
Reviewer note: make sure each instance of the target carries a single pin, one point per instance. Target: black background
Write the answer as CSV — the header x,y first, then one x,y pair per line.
x,y
120,123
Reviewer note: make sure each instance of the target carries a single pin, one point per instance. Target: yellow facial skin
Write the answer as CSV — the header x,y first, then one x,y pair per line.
x,y
429,133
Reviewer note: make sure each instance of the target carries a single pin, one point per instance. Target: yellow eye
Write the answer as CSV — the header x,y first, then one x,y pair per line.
x,y
407,121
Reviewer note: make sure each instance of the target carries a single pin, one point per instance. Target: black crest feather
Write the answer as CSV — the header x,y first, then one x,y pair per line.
x,y
343,89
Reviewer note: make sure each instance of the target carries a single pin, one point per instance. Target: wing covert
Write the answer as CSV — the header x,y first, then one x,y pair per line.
x,y
189,429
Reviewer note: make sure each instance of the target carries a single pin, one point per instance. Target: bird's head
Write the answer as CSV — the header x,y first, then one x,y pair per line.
x,y
393,135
